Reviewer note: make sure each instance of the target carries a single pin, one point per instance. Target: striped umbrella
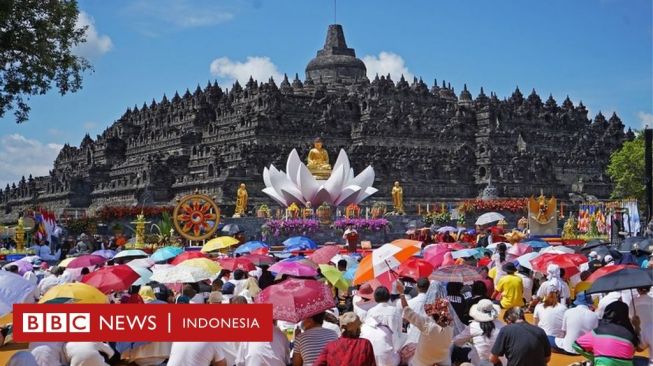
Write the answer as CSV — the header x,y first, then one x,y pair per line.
x,y
456,273
384,260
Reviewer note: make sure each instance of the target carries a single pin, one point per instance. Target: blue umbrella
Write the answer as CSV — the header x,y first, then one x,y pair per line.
x,y
306,243
144,274
165,253
106,253
250,246
464,253
538,244
349,274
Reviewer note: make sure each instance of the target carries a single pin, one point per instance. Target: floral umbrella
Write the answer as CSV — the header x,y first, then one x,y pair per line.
x,y
296,299
112,278
519,249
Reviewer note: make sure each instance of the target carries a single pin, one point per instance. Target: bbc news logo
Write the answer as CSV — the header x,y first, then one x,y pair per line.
x,y
139,322
56,322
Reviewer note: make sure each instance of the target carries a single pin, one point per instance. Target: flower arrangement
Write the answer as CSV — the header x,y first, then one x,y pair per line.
x,y
108,213
437,217
512,205
86,225
291,226
361,224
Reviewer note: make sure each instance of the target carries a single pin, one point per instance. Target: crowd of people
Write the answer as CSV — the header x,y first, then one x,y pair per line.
x,y
412,322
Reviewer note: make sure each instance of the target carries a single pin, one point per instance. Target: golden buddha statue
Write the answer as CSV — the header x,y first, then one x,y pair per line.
x,y
241,201
308,211
398,199
318,161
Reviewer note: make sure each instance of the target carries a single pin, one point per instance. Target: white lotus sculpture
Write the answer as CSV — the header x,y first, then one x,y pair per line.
x,y
298,185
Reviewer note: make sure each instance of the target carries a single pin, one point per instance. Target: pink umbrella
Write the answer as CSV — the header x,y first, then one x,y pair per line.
x,y
519,249
293,269
434,254
23,266
296,299
324,254
86,261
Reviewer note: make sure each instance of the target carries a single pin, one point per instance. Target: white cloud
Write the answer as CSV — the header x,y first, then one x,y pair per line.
x,y
387,63
20,156
260,68
646,119
95,45
180,13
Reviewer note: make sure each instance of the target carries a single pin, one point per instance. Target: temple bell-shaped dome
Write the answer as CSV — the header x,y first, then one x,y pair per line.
x,y
335,61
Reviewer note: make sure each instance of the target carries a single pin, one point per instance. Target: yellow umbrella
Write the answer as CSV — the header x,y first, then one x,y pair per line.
x,y
202,263
334,277
83,293
219,243
64,263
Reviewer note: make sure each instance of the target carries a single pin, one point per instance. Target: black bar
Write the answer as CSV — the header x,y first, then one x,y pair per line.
x,y
648,169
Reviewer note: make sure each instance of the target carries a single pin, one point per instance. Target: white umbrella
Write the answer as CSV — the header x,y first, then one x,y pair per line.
x,y
525,260
131,253
489,217
351,261
141,263
13,289
560,249
180,274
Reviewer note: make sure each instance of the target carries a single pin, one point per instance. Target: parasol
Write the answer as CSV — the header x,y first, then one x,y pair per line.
x,y
13,289
415,268
251,246
219,243
296,269
179,274
89,260
83,293
456,273
204,264
488,218
112,278
233,264
384,260
296,299
299,243
131,253
627,278
187,255
324,254
166,253
334,277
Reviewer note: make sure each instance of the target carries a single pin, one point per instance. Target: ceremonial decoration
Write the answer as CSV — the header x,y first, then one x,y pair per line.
x,y
241,201
397,199
196,217
542,217
299,185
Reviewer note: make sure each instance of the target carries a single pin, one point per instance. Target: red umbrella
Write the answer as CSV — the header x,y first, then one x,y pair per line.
x,y
112,278
519,249
233,264
187,255
86,261
607,270
567,261
415,268
259,259
324,254
260,251
456,273
296,299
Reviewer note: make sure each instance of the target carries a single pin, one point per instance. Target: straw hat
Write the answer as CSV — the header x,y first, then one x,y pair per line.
x,y
484,311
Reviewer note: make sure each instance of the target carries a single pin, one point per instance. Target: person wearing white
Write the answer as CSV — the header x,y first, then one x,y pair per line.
x,y
150,354
48,353
553,279
197,353
482,341
22,358
607,300
45,254
436,335
576,322
386,313
87,353
417,304
380,336
644,306
527,285
275,353
548,314
50,281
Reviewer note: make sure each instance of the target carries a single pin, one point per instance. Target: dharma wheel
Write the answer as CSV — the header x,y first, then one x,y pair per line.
x,y
196,217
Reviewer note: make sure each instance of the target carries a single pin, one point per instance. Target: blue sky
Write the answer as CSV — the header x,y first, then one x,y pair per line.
x,y
597,51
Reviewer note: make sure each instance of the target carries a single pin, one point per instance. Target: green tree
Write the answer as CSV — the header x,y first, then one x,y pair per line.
x,y
36,42
626,170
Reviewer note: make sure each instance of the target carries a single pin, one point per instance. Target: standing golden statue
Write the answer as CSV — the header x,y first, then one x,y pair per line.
x,y
398,199
19,235
241,201
318,161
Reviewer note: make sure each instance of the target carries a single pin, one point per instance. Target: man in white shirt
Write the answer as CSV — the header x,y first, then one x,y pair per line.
x,y
87,353
275,353
387,315
45,254
50,281
48,353
576,322
197,353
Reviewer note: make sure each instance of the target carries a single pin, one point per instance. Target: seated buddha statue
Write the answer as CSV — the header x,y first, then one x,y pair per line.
x,y
318,161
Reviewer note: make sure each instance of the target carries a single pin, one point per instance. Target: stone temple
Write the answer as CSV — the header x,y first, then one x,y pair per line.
x,y
441,145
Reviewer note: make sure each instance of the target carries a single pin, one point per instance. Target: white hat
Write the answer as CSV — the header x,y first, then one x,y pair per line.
x,y
608,258
593,254
484,311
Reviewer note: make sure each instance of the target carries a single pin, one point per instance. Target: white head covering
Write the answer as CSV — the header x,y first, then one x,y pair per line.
x,y
553,277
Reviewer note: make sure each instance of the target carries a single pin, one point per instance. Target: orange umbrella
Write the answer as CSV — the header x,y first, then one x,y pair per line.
x,y
385,259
